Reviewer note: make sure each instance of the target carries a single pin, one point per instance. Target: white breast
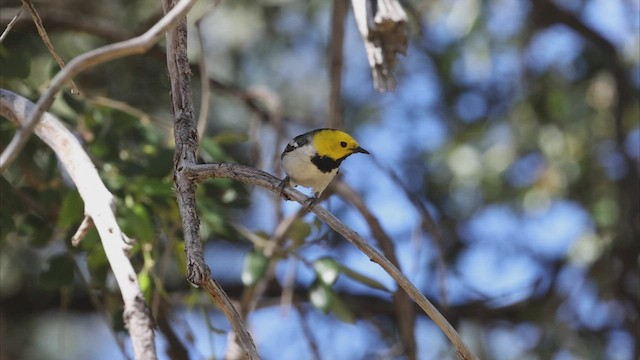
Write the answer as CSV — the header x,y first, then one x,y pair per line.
x,y
298,166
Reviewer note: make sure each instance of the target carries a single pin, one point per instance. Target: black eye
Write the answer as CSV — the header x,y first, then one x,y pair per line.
x,y
343,144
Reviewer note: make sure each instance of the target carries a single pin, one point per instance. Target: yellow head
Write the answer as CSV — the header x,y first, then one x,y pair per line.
x,y
335,144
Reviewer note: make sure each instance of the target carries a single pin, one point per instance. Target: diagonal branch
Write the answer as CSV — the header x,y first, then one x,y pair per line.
x,y
137,45
405,314
10,25
45,38
252,176
428,224
99,207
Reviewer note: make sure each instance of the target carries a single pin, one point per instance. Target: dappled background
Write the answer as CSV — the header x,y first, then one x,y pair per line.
x,y
515,123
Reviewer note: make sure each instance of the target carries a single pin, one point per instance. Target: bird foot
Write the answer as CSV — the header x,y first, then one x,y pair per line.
x,y
311,201
281,187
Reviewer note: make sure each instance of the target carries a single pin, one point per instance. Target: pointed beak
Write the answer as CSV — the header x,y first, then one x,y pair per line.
x,y
360,150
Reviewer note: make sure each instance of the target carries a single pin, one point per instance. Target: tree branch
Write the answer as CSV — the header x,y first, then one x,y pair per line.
x,y
137,45
10,25
252,176
99,207
186,138
405,314
56,19
428,224
338,16
45,38
384,30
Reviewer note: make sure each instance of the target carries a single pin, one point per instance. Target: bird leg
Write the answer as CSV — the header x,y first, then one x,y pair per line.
x,y
312,200
283,183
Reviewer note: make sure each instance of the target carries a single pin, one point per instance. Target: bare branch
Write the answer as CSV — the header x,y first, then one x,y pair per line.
x,y
186,138
82,231
428,224
252,176
137,45
57,19
308,334
204,85
45,38
338,16
405,314
224,303
384,30
99,206
142,116
204,77
10,24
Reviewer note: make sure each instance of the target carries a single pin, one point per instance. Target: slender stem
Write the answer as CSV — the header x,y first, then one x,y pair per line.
x,y
252,176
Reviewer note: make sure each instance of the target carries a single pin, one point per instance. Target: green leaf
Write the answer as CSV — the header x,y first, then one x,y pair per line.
x,y
327,269
341,310
299,232
362,278
321,296
58,273
146,284
144,227
324,298
72,210
255,265
136,222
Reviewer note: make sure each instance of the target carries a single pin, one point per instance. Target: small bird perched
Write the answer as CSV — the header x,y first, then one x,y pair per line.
x,y
313,158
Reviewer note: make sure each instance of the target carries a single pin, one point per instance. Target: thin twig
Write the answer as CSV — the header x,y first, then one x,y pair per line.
x,y
204,85
308,334
252,176
57,19
137,45
251,294
429,224
10,25
144,117
45,38
82,231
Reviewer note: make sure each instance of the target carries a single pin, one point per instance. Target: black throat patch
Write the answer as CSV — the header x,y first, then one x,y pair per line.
x,y
325,163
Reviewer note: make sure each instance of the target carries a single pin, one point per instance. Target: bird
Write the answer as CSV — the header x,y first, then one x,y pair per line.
x,y
313,159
